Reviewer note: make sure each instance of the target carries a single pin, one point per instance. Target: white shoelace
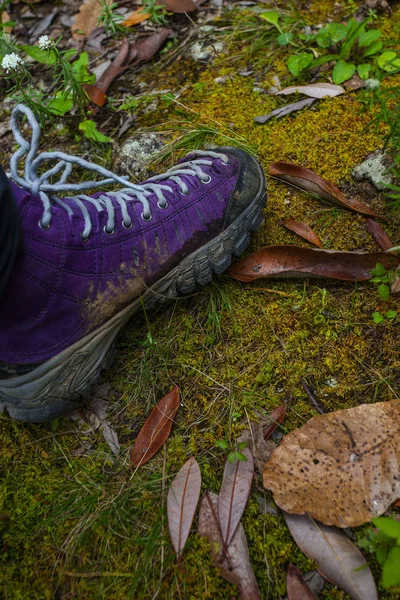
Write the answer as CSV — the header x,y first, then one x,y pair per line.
x,y
40,185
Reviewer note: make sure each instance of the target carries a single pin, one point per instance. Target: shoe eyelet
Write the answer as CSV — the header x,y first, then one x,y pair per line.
x,y
108,232
125,226
146,218
205,180
163,206
45,228
184,193
84,238
225,162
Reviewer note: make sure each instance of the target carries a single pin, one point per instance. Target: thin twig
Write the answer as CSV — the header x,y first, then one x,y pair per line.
x,y
310,395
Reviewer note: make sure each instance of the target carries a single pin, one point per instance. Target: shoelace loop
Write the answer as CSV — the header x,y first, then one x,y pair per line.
x,y
41,186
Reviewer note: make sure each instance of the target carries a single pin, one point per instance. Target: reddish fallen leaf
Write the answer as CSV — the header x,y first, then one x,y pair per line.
x,y
338,558
307,180
156,429
235,490
303,230
178,6
135,18
128,56
234,565
296,586
183,497
380,236
396,503
96,95
276,417
294,261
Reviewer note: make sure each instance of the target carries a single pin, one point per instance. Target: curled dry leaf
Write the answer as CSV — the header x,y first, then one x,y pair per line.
x,y
183,497
275,418
235,490
341,468
337,558
86,19
293,261
285,110
296,586
156,429
380,236
309,181
234,564
314,90
303,230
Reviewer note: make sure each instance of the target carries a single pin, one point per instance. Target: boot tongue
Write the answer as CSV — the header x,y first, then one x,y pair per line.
x,y
10,231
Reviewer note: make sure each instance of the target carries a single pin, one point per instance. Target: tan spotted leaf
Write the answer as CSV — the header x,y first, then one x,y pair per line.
x,y
341,468
86,20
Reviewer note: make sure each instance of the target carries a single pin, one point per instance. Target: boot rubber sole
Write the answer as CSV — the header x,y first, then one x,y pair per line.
x,y
63,383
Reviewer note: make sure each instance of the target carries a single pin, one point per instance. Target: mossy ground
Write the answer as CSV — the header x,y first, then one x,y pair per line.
x,y
89,526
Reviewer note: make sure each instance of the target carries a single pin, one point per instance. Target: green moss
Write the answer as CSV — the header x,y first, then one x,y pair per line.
x,y
88,527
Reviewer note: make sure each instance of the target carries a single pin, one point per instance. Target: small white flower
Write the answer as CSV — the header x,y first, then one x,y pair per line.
x,y
12,62
45,43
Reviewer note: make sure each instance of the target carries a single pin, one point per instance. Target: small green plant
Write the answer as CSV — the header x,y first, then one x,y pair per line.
x,y
158,14
385,543
383,278
235,453
67,78
110,19
352,47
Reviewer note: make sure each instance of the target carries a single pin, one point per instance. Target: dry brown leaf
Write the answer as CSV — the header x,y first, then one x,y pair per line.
x,y
314,90
338,558
234,565
138,16
380,236
284,110
341,468
233,495
183,497
307,180
5,18
296,586
293,261
96,95
86,19
156,429
178,6
395,289
303,230
275,418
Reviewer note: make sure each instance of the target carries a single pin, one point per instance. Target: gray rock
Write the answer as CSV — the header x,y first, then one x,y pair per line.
x,y
374,169
136,153
205,51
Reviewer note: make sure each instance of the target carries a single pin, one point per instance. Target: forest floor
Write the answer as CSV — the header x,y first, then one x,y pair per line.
x,y
76,520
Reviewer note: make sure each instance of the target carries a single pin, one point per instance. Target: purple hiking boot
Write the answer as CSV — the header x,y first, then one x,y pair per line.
x,y
90,262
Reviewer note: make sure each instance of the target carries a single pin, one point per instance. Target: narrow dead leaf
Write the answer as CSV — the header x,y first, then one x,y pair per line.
x,y
309,181
293,261
138,16
156,429
234,565
395,288
285,110
275,419
178,6
337,558
296,586
303,230
233,495
5,18
380,236
355,83
96,95
86,19
341,468
314,90
183,497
